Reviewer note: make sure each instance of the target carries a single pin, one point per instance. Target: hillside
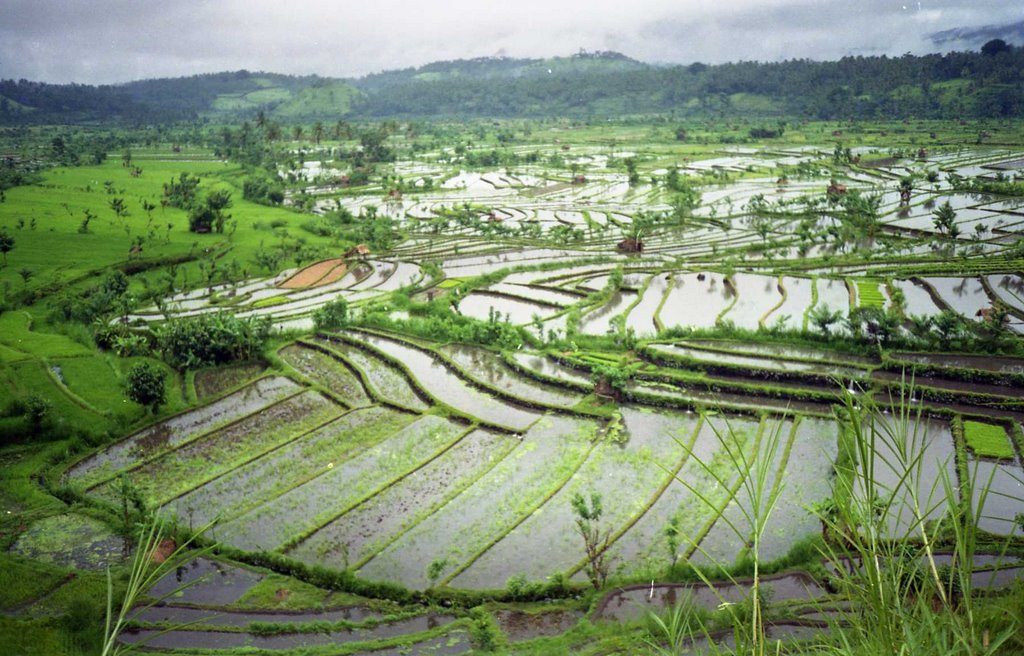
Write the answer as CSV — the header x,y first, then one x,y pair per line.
x,y
984,84
502,68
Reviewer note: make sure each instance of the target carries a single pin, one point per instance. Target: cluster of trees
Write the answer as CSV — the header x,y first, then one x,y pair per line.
x,y
945,331
954,85
263,189
959,84
208,339
206,214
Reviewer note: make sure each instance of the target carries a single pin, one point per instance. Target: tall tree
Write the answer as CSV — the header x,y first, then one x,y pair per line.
x,y
6,243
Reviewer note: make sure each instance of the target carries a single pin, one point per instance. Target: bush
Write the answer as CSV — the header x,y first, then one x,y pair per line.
x,y
146,385
212,339
262,190
131,345
332,315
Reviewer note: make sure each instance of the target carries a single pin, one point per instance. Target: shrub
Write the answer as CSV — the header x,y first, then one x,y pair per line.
x,y
332,315
212,339
146,385
263,190
131,345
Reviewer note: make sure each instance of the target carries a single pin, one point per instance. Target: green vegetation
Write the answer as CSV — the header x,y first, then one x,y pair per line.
x,y
145,385
869,294
957,84
620,282
988,440
212,339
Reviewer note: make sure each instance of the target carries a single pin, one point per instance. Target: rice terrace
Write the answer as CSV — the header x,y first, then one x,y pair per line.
x,y
332,367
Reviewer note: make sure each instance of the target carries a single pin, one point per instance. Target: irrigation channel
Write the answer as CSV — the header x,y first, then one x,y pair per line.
x,y
438,465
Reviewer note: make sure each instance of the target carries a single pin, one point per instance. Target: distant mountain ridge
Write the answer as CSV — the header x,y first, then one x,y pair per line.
x,y
486,68
974,37
584,85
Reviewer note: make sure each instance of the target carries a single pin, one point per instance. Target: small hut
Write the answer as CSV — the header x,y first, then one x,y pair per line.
x,y
990,314
579,179
630,245
835,189
362,250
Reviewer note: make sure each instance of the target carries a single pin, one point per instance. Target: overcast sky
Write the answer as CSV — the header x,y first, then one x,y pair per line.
x,y
100,41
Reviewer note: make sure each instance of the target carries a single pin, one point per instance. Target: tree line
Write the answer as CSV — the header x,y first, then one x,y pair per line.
x,y
952,85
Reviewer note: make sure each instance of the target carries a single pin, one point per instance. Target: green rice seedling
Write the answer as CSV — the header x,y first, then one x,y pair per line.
x,y
988,440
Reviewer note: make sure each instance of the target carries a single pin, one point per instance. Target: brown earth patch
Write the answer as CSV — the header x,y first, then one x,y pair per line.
x,y
314,274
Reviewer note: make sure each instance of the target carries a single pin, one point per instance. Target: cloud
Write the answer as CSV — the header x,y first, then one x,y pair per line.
x,y
120,40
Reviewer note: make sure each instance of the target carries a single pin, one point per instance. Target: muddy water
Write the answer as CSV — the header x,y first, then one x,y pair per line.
x,y
204,459
636,601
629,473
925,449
782,351
367,528
213,382
753,362
941,383
541,294
210,583
598,322
985,363
1004,501
965,295
695,303
548,453
387,381
322,499
641,317
222,640
790,314
1009,288
305,459
480,305
328,372
756,295
996,579
806,481
179,429
220,617
728,537
834,295
551,369
726,400
438,380
645,540
490,369
520,625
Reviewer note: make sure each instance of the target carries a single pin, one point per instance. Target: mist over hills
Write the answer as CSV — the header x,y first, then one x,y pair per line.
x,y
584,85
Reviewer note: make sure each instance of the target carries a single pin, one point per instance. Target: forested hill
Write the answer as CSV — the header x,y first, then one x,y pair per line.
x,y
492,69
989,83
954,85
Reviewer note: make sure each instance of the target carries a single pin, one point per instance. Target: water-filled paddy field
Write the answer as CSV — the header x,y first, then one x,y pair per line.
x,y
504,358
